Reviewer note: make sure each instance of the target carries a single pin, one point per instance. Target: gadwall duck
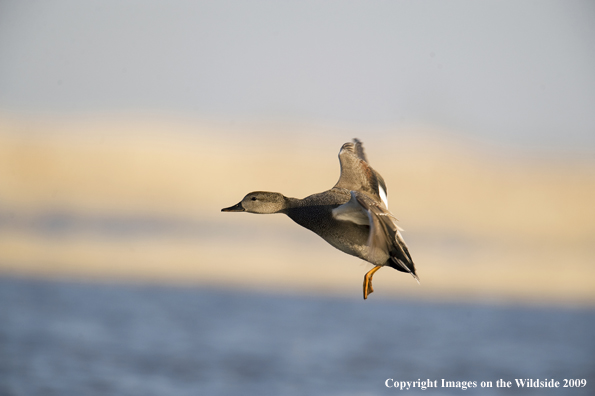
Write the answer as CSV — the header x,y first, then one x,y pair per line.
x,y
352,216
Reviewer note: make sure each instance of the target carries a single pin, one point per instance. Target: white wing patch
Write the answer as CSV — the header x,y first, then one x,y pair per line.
x,y
383,196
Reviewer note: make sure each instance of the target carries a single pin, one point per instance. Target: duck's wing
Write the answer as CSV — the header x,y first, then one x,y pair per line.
x,y
357,174
385,236
359,149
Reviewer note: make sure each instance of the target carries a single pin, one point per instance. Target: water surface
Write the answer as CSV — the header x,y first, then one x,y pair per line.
x,y
73,338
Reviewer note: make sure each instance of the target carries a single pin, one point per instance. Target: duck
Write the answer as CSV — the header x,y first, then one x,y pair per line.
x,y
352,216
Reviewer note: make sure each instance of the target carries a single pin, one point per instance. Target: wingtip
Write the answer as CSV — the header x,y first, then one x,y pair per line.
x,y
416,278
358,147
350,146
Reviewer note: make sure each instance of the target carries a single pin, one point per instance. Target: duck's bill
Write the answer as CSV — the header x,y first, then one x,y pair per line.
x,y
235,208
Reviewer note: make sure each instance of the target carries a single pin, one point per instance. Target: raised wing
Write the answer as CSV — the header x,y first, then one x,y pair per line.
x,y
358,175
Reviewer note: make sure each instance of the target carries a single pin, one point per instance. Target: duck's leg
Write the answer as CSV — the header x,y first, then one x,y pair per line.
x,y
368,281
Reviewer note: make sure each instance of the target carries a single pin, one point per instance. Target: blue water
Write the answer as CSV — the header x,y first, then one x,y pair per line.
x,y
69,338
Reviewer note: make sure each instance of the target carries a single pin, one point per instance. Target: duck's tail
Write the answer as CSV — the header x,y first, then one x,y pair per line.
x,y
400,259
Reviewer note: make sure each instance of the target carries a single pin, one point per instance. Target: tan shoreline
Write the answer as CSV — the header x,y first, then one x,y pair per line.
x,y
530,224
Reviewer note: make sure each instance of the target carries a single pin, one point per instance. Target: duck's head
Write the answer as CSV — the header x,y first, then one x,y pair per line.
x,y
260,202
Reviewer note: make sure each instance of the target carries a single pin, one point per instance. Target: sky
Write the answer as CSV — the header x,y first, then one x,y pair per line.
x,y
512,72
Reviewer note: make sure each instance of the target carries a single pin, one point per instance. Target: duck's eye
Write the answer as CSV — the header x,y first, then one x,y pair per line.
x,y
253,198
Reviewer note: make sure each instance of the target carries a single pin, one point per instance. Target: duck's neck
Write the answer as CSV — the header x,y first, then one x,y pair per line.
x,y
290,203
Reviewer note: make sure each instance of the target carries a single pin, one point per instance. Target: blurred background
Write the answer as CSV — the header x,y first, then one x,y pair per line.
x,y
126,126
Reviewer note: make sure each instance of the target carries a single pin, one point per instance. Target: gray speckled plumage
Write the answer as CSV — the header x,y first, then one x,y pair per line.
x,y
352,216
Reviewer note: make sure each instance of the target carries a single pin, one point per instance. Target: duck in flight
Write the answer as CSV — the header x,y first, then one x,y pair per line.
x,y
352,216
